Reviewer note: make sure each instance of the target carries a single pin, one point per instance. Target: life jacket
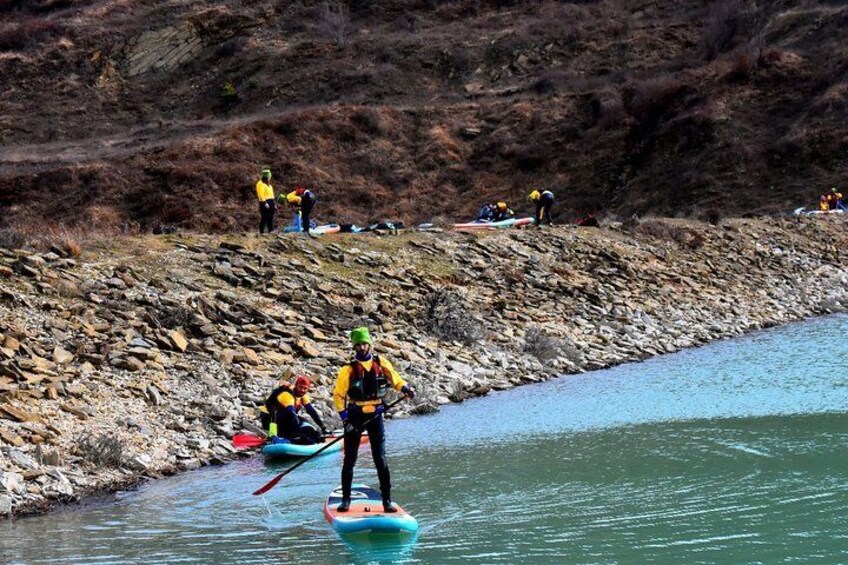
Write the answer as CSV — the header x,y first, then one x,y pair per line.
x,y
368,385
272,403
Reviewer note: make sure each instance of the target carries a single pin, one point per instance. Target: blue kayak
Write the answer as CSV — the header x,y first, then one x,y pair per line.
x,y
298,450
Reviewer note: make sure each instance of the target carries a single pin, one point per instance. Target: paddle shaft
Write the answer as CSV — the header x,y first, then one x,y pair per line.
x,y
273,482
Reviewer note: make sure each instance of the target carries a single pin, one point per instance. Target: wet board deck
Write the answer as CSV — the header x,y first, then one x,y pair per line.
x,y
366,514
273,450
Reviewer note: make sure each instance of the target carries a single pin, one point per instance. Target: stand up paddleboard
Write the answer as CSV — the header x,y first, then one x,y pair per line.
x,y
366,514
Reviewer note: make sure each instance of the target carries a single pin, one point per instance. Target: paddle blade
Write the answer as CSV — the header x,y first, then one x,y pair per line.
x,y
270,485
245,441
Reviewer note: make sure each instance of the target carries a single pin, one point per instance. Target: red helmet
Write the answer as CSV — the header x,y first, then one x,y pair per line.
x,y
303,381
299,190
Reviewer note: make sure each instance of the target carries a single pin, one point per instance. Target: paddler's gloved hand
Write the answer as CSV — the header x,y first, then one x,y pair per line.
x,y
381,409
407,390
343,416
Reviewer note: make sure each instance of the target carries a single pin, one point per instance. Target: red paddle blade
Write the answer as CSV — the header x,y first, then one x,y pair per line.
x,y
270,485
244,441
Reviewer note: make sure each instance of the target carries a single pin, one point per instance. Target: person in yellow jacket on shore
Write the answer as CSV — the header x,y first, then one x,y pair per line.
x,y
544,201
358,396
267,204
304,200
502,212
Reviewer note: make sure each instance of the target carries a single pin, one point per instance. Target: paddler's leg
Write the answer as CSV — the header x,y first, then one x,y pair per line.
x,y
351,450
377,438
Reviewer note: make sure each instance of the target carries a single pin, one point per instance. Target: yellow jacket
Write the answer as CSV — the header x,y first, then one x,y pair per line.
x,y
264,191
535,195
293,199
340,399
287,399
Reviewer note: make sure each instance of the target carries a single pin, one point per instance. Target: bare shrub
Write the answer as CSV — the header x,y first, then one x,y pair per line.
x,y
443,222
746,60
62,242
368,120
448,316
723,21
546,347
103,450
173,317
512,273
11,238
454,63
648,99
712,216
607,109
334,23
659,229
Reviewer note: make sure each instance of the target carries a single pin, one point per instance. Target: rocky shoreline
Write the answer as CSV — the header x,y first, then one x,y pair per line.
x,y
144,355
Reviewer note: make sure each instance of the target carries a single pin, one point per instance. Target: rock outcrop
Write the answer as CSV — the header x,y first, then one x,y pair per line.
x,y
143,358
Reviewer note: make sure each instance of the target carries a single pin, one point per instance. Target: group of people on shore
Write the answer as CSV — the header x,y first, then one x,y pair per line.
x,y
359,399
498,212
831,200
300,200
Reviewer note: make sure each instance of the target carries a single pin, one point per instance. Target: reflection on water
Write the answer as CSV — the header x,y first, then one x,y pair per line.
x,y
731,453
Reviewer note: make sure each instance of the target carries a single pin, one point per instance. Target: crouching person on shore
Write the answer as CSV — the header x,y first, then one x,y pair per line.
x,y
279,416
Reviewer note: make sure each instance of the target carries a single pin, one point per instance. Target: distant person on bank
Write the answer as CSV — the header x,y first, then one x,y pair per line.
x,y
487,213
267,206
502,212
589,221
303,200
544,201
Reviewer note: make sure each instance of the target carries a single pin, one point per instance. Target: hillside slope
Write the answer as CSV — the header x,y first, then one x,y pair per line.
x,y
116,114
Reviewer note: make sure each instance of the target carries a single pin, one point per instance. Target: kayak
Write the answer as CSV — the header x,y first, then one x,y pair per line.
x,y
366,514
297,450
485,226
272,450
521,222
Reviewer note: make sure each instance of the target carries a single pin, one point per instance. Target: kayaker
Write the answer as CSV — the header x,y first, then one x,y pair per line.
x,y
279,415
358,395
543,200
502,212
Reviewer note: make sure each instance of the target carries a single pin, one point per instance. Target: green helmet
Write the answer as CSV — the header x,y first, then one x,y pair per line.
x,y
266,173
360,335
